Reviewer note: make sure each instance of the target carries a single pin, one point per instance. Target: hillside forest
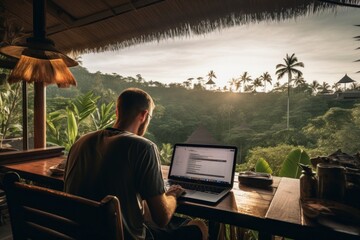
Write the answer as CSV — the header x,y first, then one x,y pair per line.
x,y
239,114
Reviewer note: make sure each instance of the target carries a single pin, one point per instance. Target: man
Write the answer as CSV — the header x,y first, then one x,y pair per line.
x,y
120,161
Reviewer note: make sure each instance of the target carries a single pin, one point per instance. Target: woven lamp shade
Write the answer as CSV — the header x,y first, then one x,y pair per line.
x,y
39,61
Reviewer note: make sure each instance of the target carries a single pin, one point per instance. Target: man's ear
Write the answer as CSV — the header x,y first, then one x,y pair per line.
x,y
143,115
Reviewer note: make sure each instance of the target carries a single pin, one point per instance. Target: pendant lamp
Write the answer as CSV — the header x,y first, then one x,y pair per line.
x,y
39,60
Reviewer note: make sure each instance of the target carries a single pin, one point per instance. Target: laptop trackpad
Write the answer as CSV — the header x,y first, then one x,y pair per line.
x,y
201,196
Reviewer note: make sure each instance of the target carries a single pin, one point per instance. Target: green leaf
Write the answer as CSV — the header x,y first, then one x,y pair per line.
x,y
103,117
72,130
84,105
263,166
290,167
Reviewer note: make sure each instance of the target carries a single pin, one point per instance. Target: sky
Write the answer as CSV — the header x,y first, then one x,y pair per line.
x,y
324,42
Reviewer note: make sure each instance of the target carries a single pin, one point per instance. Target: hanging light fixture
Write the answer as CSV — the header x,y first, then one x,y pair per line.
x,y
39,60
41,63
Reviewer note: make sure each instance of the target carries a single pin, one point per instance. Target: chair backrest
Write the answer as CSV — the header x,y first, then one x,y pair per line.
x,y
41,213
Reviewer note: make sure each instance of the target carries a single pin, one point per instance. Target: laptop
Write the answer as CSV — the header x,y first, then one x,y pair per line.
x,y
206,172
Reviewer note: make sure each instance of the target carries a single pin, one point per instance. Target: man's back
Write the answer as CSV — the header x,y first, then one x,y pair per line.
x,y
119,163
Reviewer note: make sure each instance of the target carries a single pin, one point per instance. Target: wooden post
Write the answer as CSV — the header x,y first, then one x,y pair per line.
x,y
39,26
25,116
39,115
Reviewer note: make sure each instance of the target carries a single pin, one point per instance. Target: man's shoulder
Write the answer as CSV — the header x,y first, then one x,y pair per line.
x,y
128,136
140,140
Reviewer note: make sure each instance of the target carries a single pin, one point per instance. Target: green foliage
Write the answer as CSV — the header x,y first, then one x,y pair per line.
x,y
166,153
338,128
64,125
104,116
10,109
84,105
275,156
262,166
256,123
72,128
290,167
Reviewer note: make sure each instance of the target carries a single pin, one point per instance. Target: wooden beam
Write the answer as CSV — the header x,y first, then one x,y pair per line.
x,y
341,3
70,22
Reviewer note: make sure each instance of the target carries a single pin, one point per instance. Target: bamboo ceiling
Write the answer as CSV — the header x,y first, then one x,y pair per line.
x,y
98,25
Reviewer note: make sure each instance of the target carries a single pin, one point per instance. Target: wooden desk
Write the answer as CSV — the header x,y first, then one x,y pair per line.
x,y
38,171
274,211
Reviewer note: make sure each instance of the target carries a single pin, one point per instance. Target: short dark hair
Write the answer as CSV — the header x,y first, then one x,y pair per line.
x,y
130,103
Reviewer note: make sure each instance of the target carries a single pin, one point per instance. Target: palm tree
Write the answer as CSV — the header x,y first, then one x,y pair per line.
x,y
354,86
336,87
266,77
257,83
245,78
289,68
190,81
238,85
210,76
186,84
314,86
200,80
298,80
324,88
248,88
232,84
277,86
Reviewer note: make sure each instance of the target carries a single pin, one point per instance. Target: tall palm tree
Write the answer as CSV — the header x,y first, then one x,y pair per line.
x,y
245,78
289,68
257,83
266,77
314,86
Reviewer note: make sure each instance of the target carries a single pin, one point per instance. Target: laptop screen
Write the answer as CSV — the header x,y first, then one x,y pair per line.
x,y
205,163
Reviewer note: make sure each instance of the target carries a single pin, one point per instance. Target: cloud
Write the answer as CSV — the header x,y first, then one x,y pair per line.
x,y
324,42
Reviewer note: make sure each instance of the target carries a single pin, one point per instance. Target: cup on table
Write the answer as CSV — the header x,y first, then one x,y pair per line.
x,y
331,181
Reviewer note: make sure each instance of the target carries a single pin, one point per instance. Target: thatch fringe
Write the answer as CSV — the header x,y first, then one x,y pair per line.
x,y
251,12
160,20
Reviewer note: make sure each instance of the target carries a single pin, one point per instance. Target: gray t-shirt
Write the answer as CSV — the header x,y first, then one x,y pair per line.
x,y
120,163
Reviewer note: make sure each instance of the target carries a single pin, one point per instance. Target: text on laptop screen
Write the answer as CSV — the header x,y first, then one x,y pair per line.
x,y
203,163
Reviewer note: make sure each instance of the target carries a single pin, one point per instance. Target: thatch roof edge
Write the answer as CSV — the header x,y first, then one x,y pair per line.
x,y
201,26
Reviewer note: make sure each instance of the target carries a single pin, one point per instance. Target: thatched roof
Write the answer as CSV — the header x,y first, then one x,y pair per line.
x,y
210,82
346,79
202,136
97,25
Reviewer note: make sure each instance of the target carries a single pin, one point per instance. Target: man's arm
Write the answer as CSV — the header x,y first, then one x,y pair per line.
x,y
163,206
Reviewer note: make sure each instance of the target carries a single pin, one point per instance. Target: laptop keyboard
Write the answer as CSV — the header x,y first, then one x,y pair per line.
x,y
200,188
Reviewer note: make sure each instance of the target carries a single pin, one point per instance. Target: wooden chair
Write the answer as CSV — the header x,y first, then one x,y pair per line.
x,y
41,213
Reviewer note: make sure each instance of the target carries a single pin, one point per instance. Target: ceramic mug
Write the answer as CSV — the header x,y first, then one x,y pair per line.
x,y
331,181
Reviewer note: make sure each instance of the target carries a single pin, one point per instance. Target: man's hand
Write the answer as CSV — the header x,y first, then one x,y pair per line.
x,y
175,190
163,206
